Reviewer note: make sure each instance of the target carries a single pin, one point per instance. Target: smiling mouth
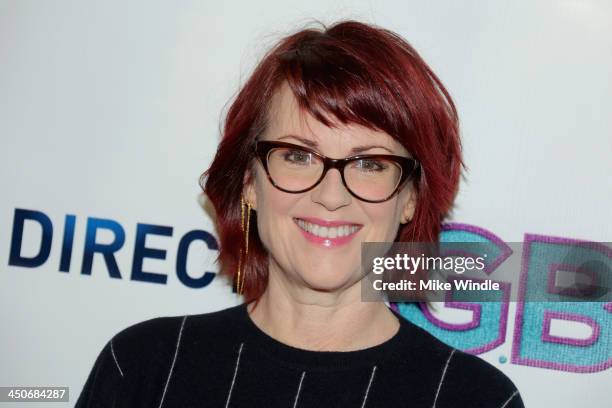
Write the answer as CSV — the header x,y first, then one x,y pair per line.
x,y
327,232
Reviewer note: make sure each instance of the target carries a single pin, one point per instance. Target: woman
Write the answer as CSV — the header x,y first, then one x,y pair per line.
x,y
340,136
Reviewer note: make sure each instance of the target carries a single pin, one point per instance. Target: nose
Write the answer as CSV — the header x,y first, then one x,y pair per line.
x,y
331,192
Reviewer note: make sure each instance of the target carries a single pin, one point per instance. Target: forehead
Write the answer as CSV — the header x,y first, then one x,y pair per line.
x,y
285,117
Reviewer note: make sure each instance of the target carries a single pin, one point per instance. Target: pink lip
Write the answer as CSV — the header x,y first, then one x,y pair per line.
x,y
327,242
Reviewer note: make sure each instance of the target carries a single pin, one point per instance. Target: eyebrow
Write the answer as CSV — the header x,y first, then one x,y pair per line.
x,y
354,150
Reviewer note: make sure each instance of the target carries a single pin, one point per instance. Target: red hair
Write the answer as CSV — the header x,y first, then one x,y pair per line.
x,y
356,73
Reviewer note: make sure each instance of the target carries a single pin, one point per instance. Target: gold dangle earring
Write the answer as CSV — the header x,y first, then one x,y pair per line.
x,y
244,226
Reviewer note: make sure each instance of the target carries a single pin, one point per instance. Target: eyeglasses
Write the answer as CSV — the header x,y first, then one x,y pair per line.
x,y
373,178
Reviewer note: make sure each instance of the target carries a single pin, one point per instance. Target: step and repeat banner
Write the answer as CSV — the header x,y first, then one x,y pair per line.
x,y
110,111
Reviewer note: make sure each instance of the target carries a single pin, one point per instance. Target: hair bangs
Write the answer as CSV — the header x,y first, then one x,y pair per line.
x,y
337,87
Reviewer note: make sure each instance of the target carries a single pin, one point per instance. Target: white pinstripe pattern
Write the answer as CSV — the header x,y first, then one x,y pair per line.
x,y
297,395
178,342
509,399
365,397
229,394
442,378
115,357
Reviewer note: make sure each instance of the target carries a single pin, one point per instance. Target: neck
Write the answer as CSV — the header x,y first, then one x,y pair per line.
x,y
323,321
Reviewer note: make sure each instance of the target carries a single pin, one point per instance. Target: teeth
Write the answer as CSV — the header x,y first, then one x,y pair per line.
x,y
327,232
333,232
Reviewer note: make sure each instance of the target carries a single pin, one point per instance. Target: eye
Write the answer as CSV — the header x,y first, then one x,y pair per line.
x,y
370,165
297,156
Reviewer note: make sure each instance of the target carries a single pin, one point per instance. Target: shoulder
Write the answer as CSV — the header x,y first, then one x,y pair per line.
x,y
140,357
460,378
472,378
157,339
167,328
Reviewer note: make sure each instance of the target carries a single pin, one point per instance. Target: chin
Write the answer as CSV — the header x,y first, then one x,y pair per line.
x,y
332,284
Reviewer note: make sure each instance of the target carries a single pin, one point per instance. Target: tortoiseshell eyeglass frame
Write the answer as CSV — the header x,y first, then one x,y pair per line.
x,y
409,166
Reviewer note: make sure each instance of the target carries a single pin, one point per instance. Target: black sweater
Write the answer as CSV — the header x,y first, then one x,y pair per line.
x,y
222,359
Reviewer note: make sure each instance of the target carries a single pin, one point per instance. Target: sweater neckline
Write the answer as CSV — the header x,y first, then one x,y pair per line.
x,y
323,360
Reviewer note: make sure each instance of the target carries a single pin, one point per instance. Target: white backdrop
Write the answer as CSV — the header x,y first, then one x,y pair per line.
x,y
110,110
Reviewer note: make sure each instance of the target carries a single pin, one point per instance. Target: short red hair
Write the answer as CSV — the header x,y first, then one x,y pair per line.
x,y
356,73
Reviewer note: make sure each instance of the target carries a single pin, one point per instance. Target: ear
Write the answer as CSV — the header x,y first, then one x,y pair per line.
x,y
248,191
409,208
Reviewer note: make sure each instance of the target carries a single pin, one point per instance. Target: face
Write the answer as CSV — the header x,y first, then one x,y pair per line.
x,y
303,259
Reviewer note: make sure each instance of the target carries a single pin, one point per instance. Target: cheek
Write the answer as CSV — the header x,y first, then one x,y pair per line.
x,y
383,221
275,203
269,198
274,213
